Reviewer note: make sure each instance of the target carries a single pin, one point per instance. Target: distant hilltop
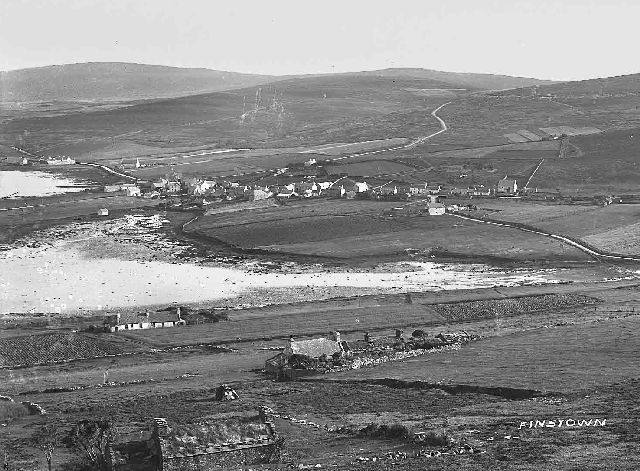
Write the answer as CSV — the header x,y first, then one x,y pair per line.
x,y
119,81
116,81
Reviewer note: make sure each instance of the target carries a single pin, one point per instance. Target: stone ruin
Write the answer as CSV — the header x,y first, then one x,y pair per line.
x,y
199,445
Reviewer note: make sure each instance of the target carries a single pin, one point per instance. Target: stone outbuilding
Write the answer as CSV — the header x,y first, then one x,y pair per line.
x,y
301,356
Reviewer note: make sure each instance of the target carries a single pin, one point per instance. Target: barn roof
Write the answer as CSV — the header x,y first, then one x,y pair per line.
x,y
315,348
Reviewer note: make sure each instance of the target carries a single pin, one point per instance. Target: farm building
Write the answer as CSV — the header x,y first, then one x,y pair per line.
x,y
436,209
132,190
225,441
417,190
148,320
507,185
301,355
481,192
334,191
61,161
173,187
361,187
17,160
258,194
112,188
307,189
286,193
103,212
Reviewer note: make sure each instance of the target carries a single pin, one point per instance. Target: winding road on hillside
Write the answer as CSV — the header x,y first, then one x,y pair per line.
x,y
413,143
322,147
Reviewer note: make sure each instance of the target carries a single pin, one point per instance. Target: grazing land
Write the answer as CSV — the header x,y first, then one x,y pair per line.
x,y
476,395
355,229
610,228
562,359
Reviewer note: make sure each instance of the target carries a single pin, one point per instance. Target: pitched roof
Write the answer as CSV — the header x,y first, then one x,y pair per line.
x,y
315,348
138,317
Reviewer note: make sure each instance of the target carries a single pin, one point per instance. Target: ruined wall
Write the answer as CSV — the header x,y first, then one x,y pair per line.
x,y
221,460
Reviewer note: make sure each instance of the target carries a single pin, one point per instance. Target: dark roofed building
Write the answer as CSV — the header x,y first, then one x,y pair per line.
x,y
225,441
507,185
304,355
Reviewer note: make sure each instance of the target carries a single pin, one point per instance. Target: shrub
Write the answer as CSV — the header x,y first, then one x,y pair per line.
x,y
385,431
12,410
433,439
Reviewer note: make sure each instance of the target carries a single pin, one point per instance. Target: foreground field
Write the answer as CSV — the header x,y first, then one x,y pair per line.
x,y
586,357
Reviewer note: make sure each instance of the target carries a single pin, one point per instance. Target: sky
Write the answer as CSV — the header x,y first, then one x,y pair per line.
x,y
548,39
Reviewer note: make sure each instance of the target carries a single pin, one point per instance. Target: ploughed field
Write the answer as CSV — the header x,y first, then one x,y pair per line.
x,y
349,229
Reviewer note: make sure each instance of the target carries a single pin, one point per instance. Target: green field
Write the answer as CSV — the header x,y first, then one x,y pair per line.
x,y
612,228
351,229
557,359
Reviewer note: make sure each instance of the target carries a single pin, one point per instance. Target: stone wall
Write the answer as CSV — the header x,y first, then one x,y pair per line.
x,y
222,460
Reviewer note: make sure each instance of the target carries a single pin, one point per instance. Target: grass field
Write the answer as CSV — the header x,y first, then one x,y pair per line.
x,y
350,229
562,359
575,360
608,164
611,228
52,211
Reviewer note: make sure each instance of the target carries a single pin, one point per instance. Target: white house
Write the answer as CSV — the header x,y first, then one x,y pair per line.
x,y
436,209
148,320
361,187
132,191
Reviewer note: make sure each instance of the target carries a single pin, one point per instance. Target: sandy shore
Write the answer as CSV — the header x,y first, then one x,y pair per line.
x,y
62,279
69,274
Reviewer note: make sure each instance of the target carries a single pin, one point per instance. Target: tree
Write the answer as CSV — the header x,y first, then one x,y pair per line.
x,y
47,439
90,440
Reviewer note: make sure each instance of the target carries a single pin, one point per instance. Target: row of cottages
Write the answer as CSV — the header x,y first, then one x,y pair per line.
x,y
144,320
60,161
478,190
227,190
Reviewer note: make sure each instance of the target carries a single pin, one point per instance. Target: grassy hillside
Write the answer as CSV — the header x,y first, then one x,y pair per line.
x,y
622,84
312,110
115,81
464,80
